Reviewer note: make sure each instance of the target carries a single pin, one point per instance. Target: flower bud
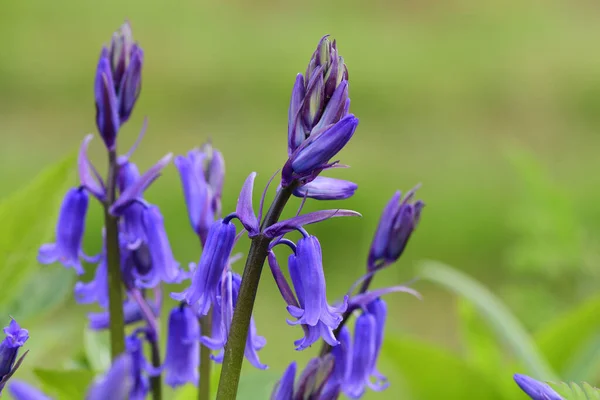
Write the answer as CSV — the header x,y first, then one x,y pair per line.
x,y
182,359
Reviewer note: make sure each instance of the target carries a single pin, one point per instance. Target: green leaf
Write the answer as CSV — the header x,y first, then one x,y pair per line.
x,y
573,391
563,339
65,384
97,349
28,218
502,321
431,372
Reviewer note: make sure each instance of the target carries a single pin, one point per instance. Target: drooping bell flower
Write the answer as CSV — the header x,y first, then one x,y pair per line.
x,y
182,358
319,124
135,349
535,389
116,383
15,338
202,173
306,272
284,388
227,296
397,223
362,356
164,266
95,291
20,390
69,232
207,275
378,309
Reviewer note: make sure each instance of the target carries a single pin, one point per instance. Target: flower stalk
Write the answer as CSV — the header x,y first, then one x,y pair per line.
x,y
205,361
113,257
236,343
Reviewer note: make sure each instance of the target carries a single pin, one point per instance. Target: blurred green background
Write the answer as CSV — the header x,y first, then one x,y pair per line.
x,y
494,107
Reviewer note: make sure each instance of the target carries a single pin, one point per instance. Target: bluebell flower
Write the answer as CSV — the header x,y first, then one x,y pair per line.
x,y
311,383
319,124
131,314
140,386
306,272
202,173
20,390
227,295
69,232
535,389
182,358
164,266
207,275
116,383
397,223
118,84
9,349
322,188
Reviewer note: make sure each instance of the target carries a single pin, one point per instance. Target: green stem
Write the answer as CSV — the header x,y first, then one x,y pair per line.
x,y
113,260
205,361
236,342
155,381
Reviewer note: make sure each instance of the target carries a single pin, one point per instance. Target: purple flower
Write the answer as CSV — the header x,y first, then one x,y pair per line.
x,y
164,266
132,314
227,295
88,175
69,232
9,349
202,174
322,188
128,174
319,125
535,389
116,383
311,383
118,84
182,359
107,103
284,388
20,390
397,223
306,271
205,281
135,349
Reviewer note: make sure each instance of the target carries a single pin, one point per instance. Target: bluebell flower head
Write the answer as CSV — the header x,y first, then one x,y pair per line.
x,y
323,188
182,359
205,281
20,390
116,383
15,338
535,389
306,272
396,225
202,173
319,125
227,295
69,232
131,314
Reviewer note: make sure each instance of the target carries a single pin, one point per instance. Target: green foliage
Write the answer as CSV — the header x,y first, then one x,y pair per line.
x,y
431,372
573,391
506,326
564,338
65,384
97,349
28,218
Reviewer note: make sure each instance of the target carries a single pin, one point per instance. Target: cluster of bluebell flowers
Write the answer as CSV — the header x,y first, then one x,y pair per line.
x,y
213,314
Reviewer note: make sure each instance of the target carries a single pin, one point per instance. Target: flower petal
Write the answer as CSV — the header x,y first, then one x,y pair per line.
x,y
244,209
291,224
